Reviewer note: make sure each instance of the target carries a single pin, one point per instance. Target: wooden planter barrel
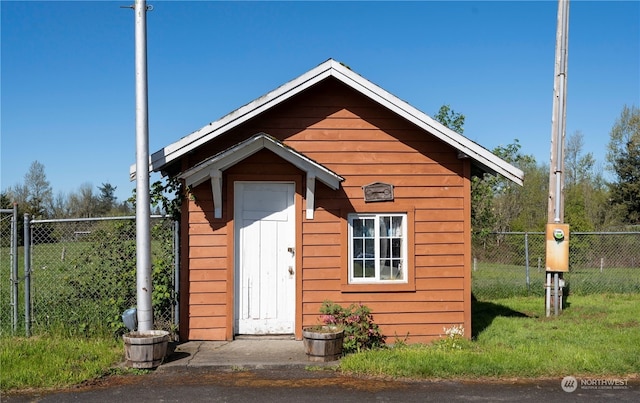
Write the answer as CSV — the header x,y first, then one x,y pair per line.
x,y
323,345
145,349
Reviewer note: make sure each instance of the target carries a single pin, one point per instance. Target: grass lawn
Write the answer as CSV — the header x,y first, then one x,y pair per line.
x,y
44,362
597,335
491,281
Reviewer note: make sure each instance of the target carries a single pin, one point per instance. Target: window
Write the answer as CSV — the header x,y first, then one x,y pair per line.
x,y
377,248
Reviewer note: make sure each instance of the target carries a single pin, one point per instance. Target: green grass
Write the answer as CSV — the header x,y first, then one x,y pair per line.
x,y
597,335
494,280
55,362
85,284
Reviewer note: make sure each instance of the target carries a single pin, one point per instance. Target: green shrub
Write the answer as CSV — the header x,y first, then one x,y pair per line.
x,y
87,293
360,332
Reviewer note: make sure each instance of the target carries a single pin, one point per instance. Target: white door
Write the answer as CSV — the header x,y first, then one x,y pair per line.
x,y
264,216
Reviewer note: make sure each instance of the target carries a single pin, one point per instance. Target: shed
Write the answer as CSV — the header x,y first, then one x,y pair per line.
x,y
326,188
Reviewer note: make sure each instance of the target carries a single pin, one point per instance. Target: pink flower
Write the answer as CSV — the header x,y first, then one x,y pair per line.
x,y
328,319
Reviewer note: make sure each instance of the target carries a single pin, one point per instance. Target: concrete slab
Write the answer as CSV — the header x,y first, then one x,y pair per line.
x,y
250,353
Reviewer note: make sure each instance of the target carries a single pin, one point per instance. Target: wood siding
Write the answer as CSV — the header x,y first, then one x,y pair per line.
x,y
364,143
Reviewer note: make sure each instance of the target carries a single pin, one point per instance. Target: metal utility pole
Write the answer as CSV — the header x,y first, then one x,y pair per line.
x,y
144,286
557,232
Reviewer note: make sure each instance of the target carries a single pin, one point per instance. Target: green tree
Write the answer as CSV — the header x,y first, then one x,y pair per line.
x,y
578,166
623,155
5,223
577,169
586,207
5,200
450,118
524,207
519,208
482,216
60,207
107,199
84,203
35,195
165,197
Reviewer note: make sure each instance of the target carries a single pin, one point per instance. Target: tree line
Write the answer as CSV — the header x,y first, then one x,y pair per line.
x,y
592,202
35,197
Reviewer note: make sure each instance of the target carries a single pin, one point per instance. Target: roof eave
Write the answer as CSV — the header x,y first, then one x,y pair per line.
x,y
484,157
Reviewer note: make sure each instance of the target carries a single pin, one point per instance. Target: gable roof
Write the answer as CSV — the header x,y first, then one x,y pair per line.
x,y
211,168
231,156
486,160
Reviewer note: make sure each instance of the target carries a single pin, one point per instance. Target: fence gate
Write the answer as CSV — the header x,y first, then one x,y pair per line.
x,y
9,290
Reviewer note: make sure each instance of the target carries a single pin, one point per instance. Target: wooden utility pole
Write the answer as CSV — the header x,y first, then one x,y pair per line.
x,y
557,232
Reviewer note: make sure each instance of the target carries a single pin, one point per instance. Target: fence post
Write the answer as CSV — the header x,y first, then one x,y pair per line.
x,y
526,258
27,275
14,266
176,272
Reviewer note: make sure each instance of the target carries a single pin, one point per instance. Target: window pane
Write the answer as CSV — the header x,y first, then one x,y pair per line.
x,y
368,228
369,248
397,226
357,269
357,227
385,247
385,226
385,269
396,245
397,270
358,249
370,268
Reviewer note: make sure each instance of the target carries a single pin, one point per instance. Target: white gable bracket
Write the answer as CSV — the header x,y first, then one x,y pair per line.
x,y
216,189
311,189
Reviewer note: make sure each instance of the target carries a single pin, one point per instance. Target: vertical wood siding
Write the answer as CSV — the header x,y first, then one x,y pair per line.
x,y
363,143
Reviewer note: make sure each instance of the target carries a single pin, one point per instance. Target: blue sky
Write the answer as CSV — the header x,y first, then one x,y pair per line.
x,y
67,71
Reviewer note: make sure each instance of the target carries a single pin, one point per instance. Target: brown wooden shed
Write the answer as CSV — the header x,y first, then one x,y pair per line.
x,y
327,188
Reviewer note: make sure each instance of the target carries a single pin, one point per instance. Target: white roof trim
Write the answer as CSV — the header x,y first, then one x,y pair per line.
x,y
231,156
331,68
211,169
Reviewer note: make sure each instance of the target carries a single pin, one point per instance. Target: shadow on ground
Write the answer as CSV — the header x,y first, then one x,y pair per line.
x,y
173,355
483,313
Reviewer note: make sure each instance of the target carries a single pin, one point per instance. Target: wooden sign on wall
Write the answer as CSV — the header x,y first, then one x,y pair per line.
x,y
378,191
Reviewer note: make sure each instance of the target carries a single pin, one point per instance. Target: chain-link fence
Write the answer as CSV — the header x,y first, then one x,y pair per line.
x,y
513,264
9,291
81,275
82,272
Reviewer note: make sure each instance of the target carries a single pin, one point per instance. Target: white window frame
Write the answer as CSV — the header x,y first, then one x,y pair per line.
x,y
403,250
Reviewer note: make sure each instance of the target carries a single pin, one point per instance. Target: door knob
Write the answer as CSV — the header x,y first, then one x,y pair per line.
x,y
291,270
291,250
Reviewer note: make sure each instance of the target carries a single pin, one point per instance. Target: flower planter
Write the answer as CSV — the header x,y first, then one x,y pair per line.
x,y
323,344
145,349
